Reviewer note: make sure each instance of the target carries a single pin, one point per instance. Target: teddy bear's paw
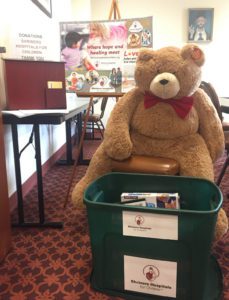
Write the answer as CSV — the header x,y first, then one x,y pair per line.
x,y
77,195
221,225
119,150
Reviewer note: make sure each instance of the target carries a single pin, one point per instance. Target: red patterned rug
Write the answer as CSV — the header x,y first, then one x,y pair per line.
x,y
55,264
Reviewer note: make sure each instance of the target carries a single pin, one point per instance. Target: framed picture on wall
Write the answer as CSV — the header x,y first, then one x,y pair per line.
x,y
200,24
45,6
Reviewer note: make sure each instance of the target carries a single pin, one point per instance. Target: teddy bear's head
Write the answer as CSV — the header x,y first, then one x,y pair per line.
x,y
169,72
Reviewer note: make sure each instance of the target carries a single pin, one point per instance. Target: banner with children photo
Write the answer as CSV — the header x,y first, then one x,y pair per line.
x,y
101,56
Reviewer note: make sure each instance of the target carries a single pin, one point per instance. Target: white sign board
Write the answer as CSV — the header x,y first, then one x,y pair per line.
x,y
150,225
150,276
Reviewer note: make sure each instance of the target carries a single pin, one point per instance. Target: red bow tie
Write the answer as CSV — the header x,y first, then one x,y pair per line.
x,y
182,106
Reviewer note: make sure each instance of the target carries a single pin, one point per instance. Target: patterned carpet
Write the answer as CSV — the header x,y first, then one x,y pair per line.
x,y
55,264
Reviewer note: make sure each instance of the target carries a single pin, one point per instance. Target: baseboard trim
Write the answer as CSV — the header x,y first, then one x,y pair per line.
x,y
32,180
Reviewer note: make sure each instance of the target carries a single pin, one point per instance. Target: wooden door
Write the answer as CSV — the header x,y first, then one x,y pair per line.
x,y
5,232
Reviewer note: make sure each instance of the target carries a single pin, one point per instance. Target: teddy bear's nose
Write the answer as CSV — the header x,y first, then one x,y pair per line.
x,y
164,81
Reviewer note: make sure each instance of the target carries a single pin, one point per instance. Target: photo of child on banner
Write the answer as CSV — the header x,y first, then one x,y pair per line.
x,y
74,54
105,33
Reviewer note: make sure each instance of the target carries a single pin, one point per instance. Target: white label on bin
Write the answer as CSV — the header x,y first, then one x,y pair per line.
x,y
150,276
149,225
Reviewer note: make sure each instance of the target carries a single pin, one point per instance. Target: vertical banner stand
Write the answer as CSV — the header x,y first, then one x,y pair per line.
x,y
114,10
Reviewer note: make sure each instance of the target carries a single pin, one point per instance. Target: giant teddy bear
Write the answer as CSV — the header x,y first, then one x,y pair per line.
x,y
165,115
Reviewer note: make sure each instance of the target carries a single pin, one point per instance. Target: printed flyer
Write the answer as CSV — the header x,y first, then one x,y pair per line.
x,y
101,56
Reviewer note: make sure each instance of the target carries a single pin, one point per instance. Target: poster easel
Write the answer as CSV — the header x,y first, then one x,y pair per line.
x,y
114,10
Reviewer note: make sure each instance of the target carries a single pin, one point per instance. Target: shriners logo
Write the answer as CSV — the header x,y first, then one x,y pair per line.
x,y
139,220
151,272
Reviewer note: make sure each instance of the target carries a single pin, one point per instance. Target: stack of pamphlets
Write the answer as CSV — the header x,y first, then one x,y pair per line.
x,y
160,200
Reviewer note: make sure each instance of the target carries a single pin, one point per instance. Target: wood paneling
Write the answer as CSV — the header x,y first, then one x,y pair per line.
x,y
5,232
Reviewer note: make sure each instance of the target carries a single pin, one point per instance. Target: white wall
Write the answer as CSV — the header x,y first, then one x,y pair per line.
x,y
25,14
170,24
81,10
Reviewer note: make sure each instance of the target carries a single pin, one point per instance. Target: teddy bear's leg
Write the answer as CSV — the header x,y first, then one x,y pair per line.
x,y
99,165
197,165
194,159
221,224
190,151
193,156
197,162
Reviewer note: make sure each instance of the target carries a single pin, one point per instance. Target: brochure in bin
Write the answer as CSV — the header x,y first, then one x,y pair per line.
x,y
154,253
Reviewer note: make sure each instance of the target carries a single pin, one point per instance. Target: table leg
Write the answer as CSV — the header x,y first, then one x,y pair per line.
x,y
39,173
40,182
18,174
21,222
81,160
69,160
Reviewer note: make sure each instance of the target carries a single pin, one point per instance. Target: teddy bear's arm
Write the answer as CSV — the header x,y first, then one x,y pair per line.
x,y
117,143
210,126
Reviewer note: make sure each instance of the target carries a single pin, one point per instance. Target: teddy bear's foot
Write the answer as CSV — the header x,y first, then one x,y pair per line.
x,y
78,191
221,225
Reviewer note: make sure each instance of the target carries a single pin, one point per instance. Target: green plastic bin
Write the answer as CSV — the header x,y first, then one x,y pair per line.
x,y
180,258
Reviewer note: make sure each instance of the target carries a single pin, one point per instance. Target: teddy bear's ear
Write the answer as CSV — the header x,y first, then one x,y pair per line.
x,y
145,54
193,52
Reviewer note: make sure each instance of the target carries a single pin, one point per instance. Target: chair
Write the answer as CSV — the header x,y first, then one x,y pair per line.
x,y
226,163
96,119
209,89
146,165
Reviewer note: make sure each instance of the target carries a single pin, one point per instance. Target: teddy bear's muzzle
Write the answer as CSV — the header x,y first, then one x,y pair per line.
x,y
165,86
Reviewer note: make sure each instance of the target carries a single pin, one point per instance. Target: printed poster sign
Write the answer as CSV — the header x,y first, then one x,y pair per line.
x,y
101,56
158,226
34,42
150,276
